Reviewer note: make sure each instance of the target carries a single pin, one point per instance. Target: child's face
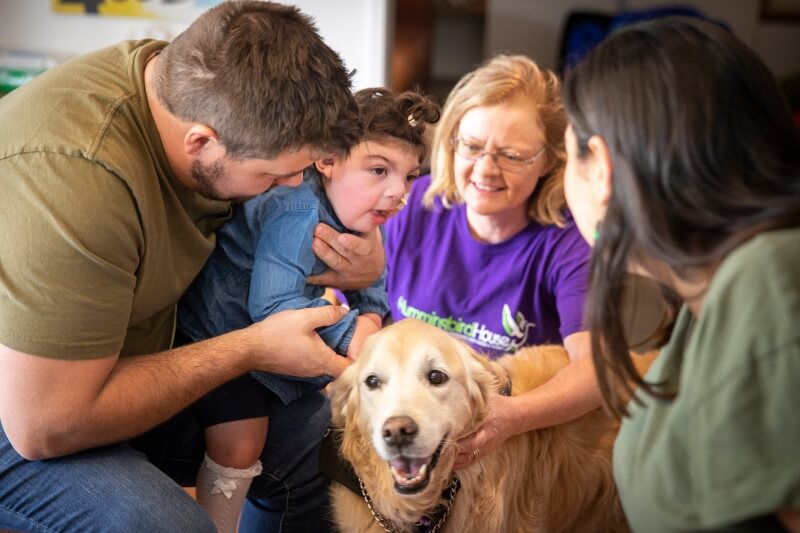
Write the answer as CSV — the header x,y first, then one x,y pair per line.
x,y
369,186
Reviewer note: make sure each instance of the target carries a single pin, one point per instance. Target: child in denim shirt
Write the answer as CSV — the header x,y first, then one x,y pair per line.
x,y
260,265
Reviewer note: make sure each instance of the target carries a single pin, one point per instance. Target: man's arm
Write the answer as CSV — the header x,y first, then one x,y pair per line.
x,y
52,407
355,262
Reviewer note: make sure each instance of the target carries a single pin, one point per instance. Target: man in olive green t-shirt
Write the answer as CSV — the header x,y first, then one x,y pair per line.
x,y
116,167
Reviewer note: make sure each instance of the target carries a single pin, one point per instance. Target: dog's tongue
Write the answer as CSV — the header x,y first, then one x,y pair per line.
x,y
408,467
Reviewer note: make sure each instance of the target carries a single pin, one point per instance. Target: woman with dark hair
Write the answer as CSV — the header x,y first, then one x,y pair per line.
x,y
683,164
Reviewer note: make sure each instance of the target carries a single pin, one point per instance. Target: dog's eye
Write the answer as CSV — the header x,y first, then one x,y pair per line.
x,y
372,381
437,377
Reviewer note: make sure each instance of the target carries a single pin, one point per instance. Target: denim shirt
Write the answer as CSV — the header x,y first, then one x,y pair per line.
x,y
259,267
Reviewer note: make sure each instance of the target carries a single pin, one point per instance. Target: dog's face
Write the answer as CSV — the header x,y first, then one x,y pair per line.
x,y
413,392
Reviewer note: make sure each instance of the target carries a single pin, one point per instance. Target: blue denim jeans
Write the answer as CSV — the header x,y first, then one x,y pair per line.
x,y
117,489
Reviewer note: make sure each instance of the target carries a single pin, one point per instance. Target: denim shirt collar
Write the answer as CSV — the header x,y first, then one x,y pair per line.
x,y
313,179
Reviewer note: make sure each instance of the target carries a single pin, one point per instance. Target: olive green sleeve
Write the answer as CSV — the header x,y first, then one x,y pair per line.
x,y
747,441
745,427
69,251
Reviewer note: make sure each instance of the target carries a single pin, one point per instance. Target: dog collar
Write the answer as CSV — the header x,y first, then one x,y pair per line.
x,y
333,465
429,523
337,468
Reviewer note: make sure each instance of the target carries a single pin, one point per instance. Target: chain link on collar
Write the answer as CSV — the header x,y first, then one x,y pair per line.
x,y
451,491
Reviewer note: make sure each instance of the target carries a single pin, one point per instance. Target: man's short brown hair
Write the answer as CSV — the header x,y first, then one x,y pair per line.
x,y
260,75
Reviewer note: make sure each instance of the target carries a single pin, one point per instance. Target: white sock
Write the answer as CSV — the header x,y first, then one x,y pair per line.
x,y
221,492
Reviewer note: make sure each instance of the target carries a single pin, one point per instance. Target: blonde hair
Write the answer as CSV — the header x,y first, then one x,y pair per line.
x,y
501,80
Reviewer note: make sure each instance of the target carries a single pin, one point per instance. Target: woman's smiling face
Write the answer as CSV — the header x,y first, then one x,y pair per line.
x,y
512,129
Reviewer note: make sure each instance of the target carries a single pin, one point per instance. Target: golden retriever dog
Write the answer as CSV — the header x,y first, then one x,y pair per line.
x,y
414,392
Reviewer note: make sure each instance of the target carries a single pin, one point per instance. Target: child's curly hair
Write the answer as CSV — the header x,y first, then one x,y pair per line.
x,y
388,116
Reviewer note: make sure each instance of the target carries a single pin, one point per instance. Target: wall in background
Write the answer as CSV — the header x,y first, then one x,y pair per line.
x,y
533,27
362,31
358,29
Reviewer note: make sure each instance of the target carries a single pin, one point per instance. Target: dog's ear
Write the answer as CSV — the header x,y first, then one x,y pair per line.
x,y
341,391
485,378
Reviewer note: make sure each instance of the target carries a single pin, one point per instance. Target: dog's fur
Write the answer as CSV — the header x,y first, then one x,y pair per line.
x,y
554,479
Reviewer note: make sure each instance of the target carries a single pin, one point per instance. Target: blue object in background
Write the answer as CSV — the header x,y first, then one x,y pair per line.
x,y
583,30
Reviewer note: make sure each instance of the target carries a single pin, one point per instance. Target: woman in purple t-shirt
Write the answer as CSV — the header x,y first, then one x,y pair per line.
x,y
485,249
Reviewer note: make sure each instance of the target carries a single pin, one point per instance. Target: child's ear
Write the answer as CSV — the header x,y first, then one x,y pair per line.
x,y
325,165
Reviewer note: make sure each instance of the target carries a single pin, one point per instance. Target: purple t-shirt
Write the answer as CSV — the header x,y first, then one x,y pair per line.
x,y
527,290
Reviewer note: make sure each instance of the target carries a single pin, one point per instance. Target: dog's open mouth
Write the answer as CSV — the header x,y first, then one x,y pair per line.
x,y
412,474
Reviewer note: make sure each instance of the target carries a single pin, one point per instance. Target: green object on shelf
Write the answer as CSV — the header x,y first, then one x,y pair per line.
x,y
17,68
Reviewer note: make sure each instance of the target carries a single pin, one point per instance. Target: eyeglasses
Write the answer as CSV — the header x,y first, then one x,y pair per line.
x,y
508,161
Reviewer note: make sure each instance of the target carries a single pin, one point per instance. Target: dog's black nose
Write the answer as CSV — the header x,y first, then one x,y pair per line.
x,y
399,431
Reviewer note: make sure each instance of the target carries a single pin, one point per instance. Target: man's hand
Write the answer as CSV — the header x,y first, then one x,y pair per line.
x,y
287,343
355,262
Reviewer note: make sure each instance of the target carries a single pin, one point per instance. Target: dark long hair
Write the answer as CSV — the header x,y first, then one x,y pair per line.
x,y
705,155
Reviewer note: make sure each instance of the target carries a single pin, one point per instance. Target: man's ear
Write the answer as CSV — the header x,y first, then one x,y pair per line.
x,y
325,164
601,169
200,137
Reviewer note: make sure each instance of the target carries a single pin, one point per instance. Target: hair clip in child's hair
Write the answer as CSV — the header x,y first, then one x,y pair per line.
x,y
412,121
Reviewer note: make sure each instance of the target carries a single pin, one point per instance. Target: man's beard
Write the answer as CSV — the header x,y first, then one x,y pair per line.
x,y
206,177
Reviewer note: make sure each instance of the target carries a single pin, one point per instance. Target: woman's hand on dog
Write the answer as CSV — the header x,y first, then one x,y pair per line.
x,y
496,429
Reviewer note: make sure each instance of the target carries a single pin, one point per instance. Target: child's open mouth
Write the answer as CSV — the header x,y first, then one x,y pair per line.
x,y
379,216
